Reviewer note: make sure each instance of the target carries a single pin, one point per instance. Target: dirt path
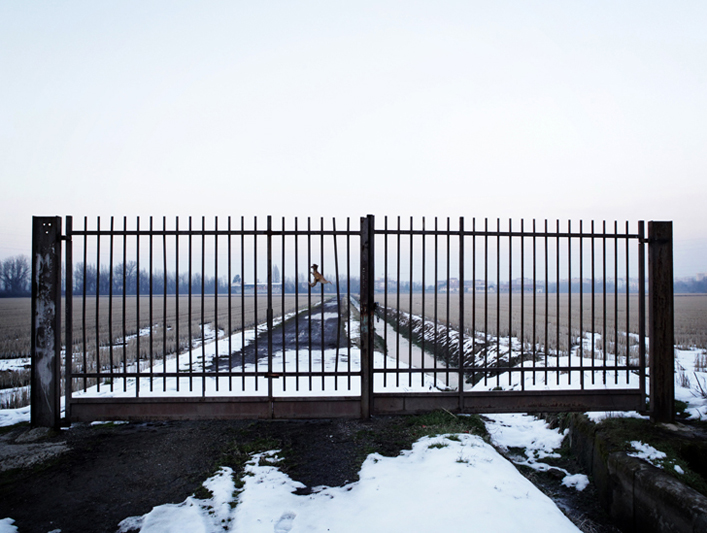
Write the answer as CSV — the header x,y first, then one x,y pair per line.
x,y
111,472
321,327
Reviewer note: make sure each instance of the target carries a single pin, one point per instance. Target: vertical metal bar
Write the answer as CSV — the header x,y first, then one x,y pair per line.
x,y
535,300
255,296
164,304
498,302
69,318
436,321
448,343
176,297
321,255
98,302
202,320
385,301
569,300
83,305
230,309
216,321
152,362
641,310
557,291
486,299
137,300
422,331
461,313
269,315
297,306
45,342
410,341
522,304
397,305
348,299
661,321
125,290
189,312
604,339
593,303
110,305
282,304
628,309
616,301
473,300
243,305
309,298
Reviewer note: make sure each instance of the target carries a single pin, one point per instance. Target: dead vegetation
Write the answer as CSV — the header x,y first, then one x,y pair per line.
x,y
136,332
116,334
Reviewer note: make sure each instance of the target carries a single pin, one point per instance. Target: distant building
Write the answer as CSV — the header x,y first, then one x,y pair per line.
x,y
453,284
250,288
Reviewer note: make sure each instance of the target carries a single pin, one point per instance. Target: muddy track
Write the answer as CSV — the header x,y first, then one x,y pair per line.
x,y
321,327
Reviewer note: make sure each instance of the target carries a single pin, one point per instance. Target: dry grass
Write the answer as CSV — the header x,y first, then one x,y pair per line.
x,y
691,320
107,338
106,328
170,326
15,323
496,315
15,316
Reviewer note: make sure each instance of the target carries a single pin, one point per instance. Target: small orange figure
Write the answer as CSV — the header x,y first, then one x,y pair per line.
x,y
317,277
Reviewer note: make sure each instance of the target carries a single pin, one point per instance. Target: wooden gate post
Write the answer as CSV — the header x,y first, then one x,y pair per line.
x,y
46,322
367,308
661,321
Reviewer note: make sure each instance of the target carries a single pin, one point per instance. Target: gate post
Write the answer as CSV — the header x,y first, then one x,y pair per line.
x,y
46,322
367,308
660,321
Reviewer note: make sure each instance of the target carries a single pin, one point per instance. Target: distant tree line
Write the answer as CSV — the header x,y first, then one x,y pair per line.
x,y
15,280
15,276
690,286
128,280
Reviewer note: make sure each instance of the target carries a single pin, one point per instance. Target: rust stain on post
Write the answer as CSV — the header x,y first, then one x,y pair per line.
x,y
46,309
661,321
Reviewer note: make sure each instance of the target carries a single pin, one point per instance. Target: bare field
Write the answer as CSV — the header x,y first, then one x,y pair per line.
x,y
105,323
528,318
690,317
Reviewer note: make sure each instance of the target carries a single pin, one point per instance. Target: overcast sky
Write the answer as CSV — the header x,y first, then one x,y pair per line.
x,y
570,110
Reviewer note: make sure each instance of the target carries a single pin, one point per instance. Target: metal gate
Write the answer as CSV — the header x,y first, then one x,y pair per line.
x,y
294,320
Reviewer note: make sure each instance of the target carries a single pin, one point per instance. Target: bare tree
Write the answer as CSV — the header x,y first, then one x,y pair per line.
x,y
15,275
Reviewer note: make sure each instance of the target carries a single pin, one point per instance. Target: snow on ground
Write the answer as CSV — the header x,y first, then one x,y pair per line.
x,y
653,456
691,381
534,436
444,483
18,363
6,526
9,417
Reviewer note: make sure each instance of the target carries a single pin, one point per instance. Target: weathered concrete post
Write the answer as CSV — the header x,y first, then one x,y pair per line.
x,y
660,321
46,322
367,308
